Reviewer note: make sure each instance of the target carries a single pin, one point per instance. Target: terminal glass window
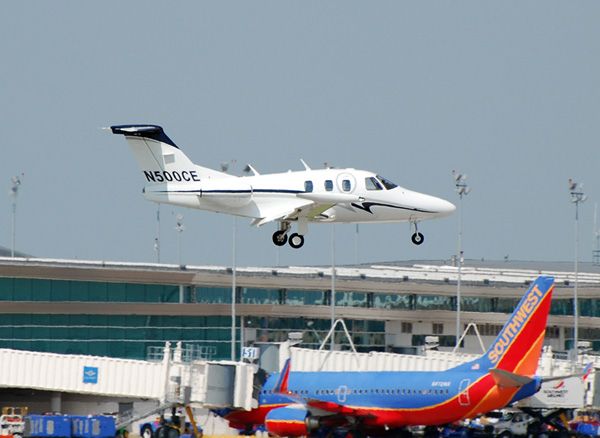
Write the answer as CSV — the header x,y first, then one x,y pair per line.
x,y
308,186
213,295
261,296
506,305
328,185
477,304
393,301
304,297
434,302
351,299
21,289
372,184
561,307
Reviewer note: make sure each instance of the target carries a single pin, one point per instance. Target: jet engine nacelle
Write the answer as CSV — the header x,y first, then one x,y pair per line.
x,y
291,421
228,192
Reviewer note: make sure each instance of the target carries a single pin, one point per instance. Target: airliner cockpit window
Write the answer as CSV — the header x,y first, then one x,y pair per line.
x,y
387,183
372,184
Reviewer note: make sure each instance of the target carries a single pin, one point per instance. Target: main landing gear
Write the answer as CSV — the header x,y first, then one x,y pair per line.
x,y
417,238
280,237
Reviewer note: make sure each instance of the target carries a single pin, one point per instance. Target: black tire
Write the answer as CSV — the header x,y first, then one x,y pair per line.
x,y
296,240
147,431
280,238
506,434
417,238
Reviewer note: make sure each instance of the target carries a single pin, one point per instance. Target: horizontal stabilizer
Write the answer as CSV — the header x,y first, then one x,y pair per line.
x,y
583,374
506,379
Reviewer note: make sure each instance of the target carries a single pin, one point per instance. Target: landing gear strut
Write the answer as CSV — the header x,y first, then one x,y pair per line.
x,y
417,238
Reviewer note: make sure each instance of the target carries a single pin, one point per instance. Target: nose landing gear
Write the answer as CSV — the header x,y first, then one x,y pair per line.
x,y
417,238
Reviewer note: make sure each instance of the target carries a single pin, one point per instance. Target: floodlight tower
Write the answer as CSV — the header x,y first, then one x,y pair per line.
x,y
596,250
463,190
14,191
157,238
577,197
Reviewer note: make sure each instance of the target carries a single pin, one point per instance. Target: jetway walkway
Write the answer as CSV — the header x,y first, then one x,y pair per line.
x,y
170,380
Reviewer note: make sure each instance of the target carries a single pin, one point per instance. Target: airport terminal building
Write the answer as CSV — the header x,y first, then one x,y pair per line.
x,y
125,309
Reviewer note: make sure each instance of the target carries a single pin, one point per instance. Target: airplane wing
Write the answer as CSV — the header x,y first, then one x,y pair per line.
x,y
308,205
280,211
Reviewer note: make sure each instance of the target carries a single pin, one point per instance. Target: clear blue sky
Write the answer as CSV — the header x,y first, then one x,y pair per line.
x,y
507,92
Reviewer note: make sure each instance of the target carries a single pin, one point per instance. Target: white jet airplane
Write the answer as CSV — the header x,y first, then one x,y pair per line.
x,y
323,195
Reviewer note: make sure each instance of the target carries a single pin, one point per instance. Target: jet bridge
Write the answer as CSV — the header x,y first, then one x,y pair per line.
x,y
172,379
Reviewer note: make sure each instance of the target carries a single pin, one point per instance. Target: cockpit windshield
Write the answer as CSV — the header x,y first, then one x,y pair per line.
x,y
387,183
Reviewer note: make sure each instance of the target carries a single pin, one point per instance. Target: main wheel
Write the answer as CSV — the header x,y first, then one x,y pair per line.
x,y
417,238
296,240
280,238
146,431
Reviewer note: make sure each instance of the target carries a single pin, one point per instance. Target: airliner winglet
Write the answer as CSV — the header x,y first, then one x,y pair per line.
x,y
312,195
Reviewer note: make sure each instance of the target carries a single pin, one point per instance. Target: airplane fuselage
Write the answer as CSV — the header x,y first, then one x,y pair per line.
x,y
388,399
360,199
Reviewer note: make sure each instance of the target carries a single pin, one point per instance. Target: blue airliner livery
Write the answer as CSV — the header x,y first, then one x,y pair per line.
x,y
383,403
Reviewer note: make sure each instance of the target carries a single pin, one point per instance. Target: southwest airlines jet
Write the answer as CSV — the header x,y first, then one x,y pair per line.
x,y
317,196
378,403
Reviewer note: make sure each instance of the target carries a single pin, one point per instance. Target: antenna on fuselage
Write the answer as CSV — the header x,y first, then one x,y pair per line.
x,y
306,166
249,168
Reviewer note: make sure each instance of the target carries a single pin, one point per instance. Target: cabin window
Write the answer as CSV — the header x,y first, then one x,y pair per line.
x,y
328,185
346,186
372,184
308,186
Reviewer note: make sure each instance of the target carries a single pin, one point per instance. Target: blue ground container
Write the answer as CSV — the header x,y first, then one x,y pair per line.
x,y
48,426
93,426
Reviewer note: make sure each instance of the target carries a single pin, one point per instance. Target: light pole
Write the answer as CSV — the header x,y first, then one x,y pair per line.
x,y
14,191
462,189
332,303
157,238
577,196
179,227
233,286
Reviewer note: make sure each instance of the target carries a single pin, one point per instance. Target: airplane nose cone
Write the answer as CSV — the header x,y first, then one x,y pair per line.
x,y
439,207
444,207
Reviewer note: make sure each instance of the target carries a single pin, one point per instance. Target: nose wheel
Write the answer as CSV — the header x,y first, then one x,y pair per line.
x,y
417,238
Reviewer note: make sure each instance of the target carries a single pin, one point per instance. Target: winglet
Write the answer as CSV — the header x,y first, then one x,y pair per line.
x,y
282,384
589,369
306,167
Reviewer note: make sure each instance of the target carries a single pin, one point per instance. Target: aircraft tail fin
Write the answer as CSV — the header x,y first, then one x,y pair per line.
x,y
159,158
518,346
282,384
